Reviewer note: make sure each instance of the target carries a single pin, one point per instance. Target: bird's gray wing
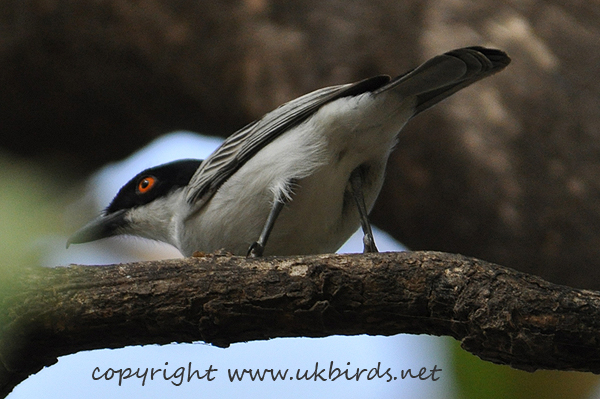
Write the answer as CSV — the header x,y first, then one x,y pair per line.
x,y
243,144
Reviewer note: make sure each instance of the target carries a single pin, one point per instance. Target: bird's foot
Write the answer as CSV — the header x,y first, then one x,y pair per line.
x,y
256,250
369,243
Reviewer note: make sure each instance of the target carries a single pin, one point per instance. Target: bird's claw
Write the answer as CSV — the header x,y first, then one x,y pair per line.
x,y
256,250
369,243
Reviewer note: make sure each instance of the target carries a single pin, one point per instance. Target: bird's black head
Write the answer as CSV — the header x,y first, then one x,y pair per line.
x,y
153,183
145,187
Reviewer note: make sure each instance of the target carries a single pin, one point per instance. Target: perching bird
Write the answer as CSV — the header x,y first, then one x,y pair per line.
x,y
301,180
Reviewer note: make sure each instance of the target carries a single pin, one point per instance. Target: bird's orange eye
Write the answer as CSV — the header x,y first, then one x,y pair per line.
x,y
146,184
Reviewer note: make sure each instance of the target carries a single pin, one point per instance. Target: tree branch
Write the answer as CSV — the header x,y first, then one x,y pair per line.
x,y
498,314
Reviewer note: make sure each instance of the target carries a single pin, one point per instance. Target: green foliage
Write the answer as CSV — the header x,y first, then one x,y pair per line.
x,y
29,211
478,379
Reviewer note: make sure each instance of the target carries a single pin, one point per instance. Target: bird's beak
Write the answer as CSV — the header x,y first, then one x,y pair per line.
x,y
102,227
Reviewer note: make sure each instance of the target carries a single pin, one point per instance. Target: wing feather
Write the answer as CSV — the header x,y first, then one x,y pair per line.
x,y
243,144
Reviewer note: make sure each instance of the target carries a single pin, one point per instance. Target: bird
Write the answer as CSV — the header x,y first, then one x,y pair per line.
x,y
300,180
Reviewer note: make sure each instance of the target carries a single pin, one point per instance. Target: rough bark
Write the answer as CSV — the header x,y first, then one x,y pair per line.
x,y
497,313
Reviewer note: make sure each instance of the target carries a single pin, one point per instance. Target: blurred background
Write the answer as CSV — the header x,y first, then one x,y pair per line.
x,y
507,170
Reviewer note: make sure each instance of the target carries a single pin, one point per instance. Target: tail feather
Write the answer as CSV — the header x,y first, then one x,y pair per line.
x,y
444,75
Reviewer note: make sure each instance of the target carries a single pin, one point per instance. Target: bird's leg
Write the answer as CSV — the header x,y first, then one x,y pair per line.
x,y
357,193
258,247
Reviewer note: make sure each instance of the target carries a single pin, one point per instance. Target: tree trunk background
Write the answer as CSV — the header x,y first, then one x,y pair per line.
x,y
506,171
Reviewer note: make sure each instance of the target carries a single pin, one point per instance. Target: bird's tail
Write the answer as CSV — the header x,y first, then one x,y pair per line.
x,y
446,74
